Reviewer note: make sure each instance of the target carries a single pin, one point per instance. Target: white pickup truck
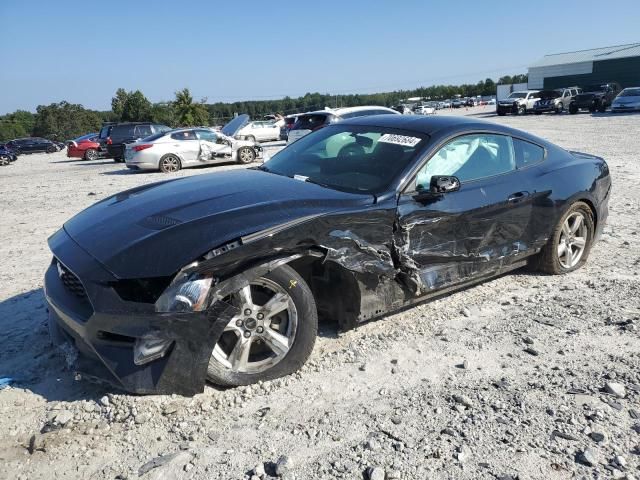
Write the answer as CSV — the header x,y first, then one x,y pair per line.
x,y
518,103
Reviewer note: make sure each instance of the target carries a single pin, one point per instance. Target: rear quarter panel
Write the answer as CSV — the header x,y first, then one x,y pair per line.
x,y
562,179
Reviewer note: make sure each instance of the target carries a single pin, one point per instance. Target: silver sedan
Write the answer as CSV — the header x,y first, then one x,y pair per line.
x,y
188,147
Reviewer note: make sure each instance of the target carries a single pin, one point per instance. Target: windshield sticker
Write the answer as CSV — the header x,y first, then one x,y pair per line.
x,y
399,140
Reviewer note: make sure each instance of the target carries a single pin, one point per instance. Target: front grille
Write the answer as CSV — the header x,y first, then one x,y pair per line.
x,y
71,282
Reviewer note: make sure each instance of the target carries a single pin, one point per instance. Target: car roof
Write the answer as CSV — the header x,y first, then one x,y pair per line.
x,y
342,111
431,124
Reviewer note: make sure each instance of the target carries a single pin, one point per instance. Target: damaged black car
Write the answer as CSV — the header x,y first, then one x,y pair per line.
x,y
223,276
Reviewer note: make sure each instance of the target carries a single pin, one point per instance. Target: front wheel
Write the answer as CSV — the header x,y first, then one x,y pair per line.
x,y
522,110
271,335
246,155
559,108
570,243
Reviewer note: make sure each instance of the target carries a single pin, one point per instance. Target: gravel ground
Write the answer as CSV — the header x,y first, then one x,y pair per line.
x,y
525,376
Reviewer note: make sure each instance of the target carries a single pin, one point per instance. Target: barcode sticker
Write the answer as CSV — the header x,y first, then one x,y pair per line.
x,y
399,139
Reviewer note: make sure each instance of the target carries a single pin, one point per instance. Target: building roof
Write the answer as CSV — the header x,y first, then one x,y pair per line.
x,y
593,55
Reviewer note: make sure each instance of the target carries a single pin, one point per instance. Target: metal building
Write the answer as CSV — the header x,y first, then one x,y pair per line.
x,y
620,63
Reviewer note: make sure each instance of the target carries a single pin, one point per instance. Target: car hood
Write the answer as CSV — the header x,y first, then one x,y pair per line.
x,y
625,100
232,128
157,229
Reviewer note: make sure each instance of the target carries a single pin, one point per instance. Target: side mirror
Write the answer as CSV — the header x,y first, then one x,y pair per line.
x,y
444,184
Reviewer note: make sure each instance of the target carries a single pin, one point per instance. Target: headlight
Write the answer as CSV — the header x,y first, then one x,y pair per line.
x,y
187,293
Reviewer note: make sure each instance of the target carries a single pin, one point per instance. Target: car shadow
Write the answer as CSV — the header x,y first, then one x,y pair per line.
x,y
28,357
614,114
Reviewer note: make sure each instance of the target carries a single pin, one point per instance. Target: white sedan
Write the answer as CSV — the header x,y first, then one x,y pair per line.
x,y
260,131
190,147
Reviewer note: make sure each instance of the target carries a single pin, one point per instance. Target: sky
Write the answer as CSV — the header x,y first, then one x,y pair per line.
x,y
82,51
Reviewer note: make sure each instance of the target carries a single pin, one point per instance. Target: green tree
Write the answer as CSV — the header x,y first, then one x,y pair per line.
x,y
118,102
187,112
136,108
164,114
15,125
64,120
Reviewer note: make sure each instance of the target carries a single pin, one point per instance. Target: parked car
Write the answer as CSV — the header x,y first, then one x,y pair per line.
x,y
7,155
518,103
458,103
471,102
424,110
555,100
223,276
122,133
312,121
86,147
628,100
32,145
595,97
491,101
191,147
260,131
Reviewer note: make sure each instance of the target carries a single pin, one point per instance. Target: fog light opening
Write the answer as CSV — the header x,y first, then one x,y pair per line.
x,y
150,348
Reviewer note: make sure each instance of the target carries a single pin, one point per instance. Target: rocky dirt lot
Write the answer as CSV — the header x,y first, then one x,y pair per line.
x,y
523,377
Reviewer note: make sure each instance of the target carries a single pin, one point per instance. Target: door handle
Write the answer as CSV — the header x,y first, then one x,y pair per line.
x,y
517,197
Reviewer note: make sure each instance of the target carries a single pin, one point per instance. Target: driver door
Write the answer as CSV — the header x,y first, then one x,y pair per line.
x,y
460,235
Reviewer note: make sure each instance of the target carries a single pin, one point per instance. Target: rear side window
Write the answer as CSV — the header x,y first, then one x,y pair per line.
x,y
310,122
527,153
142,131
122,131
105,131
185,135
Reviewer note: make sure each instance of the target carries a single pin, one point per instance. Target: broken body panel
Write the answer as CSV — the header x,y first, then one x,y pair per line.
x,y
362,255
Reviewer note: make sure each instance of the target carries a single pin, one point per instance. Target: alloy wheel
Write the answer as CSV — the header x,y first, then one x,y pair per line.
x,y
573,240
170,164
262,332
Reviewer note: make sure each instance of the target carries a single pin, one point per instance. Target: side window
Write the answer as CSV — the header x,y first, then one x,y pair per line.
x,y
527,153
142,131
207,135
470,157
184,135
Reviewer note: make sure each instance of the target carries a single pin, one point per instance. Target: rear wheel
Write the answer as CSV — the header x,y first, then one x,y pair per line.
x,y
4,160
602,107
570,243
246,155
91,154
170,163
272,334
573,109
51,149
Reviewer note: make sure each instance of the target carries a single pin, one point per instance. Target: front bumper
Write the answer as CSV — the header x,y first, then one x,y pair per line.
x,y
544,108
104,328
625,108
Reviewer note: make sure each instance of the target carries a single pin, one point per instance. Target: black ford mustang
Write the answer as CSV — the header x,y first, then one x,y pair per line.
x,y
223,276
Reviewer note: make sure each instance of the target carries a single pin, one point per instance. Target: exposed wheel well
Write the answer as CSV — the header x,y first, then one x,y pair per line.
x,y
593,210
334,289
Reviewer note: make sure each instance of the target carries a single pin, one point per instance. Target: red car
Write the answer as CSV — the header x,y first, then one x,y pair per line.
x,y
85,147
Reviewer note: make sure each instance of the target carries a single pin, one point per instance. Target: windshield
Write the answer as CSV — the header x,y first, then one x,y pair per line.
x,y
351,158
231,128
595,88
549,94
518,95
630,92
311,122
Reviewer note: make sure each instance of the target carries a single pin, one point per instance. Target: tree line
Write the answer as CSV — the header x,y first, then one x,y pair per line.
x,y
63,121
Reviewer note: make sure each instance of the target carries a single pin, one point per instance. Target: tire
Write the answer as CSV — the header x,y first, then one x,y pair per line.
x,y
4,160
300,322
573,109
246,155
549,260
91,154
559,108
593,107
602,107
522,110
51,149
169,164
